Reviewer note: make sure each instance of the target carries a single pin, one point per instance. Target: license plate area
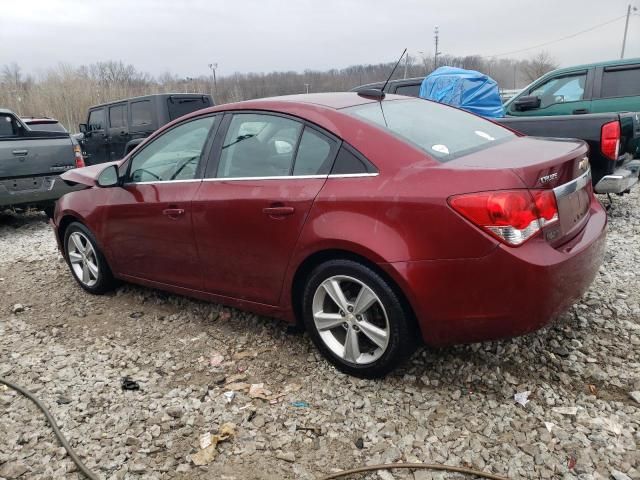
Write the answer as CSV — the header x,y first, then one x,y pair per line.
x,y
573,200
19,185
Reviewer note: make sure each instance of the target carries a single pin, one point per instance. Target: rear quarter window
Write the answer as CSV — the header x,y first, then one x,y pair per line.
x,y
141,113
441,131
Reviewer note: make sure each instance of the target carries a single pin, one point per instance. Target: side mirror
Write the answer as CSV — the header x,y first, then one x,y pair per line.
x,y
527,103
108,177
83,128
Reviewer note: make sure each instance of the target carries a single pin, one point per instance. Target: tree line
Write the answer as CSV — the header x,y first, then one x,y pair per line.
x,y
65,92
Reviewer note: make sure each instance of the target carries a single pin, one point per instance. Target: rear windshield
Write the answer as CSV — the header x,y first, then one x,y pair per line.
x,y
179,106
443,132
46,127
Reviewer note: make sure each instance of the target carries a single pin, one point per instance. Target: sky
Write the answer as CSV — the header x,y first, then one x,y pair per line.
x,y
184,36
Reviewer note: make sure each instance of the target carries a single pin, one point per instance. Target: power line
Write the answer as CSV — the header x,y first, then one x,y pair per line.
x,y
559,39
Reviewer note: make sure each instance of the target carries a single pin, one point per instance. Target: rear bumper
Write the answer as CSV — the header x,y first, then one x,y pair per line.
x,y
510,292
17,192
621,180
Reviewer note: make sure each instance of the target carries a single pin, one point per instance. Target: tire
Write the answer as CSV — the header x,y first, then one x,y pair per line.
x,y
371,354
84,257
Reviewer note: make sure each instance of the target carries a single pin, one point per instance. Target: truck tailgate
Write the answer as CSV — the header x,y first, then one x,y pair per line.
x,y
30,157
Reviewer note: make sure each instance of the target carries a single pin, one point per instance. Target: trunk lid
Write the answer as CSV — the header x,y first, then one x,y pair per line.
x,y
542,164
36,156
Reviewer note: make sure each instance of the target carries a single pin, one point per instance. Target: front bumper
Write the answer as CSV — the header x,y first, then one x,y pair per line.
x,y
621,180
510,292
37,190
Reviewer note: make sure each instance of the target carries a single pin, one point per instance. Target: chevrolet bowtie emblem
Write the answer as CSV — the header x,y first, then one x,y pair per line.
x,y
584,163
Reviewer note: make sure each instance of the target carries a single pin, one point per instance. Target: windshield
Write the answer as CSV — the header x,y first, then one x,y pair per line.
x,y
46,127
443,132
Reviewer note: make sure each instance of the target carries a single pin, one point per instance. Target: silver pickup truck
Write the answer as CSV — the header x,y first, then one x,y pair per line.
x,y
31,162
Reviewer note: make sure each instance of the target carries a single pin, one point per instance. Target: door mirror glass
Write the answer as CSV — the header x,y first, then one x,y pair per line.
x,y
83,128
108,177
527,103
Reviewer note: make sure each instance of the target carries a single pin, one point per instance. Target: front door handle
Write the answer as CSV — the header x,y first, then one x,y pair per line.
x,y
20,153
580,111
173,213
279,211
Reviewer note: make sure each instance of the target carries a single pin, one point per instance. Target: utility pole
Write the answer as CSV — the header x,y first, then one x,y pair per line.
x,y
213,67
436,35
406,65
626,28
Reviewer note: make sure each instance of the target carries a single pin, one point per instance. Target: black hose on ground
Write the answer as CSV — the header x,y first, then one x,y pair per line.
x,y
414,466
63,441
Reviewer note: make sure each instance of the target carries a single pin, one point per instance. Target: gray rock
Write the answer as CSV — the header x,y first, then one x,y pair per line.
x,y
11,470
619,475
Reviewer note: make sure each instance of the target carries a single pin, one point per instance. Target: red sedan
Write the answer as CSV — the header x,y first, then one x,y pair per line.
x,y
372,223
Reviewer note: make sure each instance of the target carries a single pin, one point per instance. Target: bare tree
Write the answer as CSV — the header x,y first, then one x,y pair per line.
x,y
539,65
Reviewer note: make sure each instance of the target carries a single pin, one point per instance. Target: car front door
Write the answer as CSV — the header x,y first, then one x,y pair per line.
x,y
252,206
148,221
118,130
563,94
95,147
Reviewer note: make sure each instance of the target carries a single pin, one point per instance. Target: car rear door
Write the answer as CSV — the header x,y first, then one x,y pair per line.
x,y
251,208
148,221
118,132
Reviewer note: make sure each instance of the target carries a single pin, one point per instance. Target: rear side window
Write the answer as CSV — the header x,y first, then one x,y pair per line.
x,y
621,82
258,145
408,90
350,162
118,116
443,132
141,113
7,126
96,120
315,154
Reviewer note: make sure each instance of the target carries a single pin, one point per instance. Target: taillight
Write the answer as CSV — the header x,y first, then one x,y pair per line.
x,y
610,140
512,216
78,155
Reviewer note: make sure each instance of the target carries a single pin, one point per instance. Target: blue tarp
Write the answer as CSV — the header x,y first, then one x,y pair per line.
x,y
467,89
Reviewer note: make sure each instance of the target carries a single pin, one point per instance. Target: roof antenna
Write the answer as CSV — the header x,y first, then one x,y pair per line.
x,y
379,94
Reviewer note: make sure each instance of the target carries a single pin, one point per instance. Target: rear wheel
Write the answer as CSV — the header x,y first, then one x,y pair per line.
x,y
356,319
86,261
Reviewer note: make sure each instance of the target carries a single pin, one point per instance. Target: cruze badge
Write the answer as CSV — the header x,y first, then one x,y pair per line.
x,y
548,178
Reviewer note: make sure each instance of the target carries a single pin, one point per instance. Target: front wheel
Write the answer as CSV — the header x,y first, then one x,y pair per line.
x,y
86,261
356,319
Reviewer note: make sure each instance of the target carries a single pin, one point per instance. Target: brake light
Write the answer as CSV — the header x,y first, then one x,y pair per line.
x,y
512,216
78,155
610,140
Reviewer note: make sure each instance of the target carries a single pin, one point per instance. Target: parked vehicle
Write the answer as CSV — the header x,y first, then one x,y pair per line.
x,y
31,162
47,124
114,129
371,223
612,86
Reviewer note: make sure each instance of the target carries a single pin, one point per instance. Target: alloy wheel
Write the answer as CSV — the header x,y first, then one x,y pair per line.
x,y
83,259
351,319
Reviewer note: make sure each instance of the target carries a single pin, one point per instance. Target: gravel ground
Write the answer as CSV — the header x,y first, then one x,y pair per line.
x,y
454,405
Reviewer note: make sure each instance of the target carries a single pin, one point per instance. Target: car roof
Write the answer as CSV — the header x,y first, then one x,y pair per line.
x,y
149,97
605,63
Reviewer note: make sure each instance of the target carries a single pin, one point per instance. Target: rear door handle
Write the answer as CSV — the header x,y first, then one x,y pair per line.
x,y
173,212
580,111
20,153
278,211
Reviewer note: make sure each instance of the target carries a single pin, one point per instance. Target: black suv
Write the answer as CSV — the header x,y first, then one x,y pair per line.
x,y
114,129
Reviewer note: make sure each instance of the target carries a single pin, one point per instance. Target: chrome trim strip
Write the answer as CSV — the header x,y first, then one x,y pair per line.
x,y
164,181
573,186
275,177
353,175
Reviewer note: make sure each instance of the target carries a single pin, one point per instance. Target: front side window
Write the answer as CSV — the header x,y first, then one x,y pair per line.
x,y
141,113
96,120
443,132
258,145
569,88
8,126
118,116
174,155
621,82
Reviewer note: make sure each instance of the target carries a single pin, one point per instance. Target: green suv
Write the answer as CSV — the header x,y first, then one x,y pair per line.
x,y
612,86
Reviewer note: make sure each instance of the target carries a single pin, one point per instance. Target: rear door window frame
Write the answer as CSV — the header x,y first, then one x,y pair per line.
x,y
599,77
